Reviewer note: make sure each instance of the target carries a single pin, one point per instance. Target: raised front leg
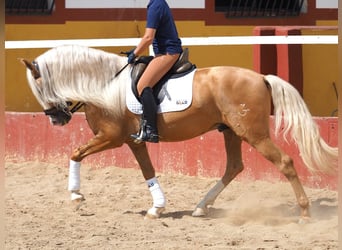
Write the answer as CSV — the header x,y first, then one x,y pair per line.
x,y
100,142
233,168
141,154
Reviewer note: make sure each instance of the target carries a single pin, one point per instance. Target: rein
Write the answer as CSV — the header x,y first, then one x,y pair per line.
x,y
77,106
118,73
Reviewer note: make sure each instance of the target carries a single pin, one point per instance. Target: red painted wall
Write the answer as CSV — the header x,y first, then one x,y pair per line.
x,y
30,137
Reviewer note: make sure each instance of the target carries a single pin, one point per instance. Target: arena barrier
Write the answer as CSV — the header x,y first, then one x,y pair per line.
x,y
30,137
186,41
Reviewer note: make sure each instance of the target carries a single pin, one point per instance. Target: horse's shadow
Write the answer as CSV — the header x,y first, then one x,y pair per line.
x,y
173,215
321,209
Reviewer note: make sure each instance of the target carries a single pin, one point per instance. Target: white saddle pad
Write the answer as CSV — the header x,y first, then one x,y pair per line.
x,y
179,95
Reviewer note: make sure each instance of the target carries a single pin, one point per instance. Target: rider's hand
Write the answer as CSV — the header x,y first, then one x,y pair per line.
x,y
131,56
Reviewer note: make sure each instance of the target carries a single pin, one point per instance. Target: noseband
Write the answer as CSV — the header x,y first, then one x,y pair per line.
x,y
63,114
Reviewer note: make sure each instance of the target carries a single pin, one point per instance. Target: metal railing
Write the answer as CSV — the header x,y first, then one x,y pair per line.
x,y
259,8
29,7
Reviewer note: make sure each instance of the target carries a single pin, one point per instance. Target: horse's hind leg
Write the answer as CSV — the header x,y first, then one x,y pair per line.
x,y
285,164
233,168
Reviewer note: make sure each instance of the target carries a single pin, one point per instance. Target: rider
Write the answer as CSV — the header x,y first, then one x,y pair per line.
x,y
160,31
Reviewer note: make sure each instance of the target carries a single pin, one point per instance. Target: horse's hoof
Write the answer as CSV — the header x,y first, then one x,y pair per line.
x,y
76,196
77,200
200,212
154,212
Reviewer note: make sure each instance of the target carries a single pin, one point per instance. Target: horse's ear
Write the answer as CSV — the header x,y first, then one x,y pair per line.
x,y
35,73
26,63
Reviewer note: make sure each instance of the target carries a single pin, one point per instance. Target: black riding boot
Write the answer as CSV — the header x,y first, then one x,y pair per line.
x,y
148,124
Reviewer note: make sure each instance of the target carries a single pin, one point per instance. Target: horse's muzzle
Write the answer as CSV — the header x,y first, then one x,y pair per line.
x,y
58,116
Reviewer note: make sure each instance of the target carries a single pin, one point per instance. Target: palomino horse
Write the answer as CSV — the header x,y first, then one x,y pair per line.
x,y
234,100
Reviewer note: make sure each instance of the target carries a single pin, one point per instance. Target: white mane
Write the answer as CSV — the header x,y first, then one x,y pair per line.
x,y
77,73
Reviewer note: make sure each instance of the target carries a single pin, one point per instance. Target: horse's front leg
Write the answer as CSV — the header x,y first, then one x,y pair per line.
x,y
141,154
98,143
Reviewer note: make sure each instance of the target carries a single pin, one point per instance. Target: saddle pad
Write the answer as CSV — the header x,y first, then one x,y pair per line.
x,y
178,97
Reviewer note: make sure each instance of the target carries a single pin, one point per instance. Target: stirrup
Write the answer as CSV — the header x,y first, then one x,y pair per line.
x,y
138,138
145,137
146,134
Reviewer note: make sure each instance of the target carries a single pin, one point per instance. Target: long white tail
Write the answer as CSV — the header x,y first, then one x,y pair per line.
x,y
291,112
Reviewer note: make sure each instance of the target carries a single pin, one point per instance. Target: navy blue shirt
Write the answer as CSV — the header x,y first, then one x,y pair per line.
x,y
159,17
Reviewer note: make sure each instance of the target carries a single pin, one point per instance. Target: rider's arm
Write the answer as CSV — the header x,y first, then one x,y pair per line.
x,y
145,41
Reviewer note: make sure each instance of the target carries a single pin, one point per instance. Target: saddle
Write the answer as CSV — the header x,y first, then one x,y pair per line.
x,y
182,67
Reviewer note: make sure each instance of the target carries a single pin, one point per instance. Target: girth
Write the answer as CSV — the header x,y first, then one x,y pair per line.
x,y
182,67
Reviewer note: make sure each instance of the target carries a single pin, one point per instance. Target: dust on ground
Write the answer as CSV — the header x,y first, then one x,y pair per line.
x,y
247,215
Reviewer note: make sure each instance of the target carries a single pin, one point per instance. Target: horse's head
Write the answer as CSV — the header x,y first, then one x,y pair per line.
x,y
58,114
76,73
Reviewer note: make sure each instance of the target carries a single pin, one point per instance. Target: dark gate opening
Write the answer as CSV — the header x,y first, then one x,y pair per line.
x,y
259,8
29,7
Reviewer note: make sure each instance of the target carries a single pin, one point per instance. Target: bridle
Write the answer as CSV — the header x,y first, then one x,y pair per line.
x,y
63,114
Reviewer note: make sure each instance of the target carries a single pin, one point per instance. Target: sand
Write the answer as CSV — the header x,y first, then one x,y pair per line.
x,y
247,215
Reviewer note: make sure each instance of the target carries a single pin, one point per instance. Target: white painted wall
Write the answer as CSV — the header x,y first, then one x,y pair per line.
x,y
84,4
326,4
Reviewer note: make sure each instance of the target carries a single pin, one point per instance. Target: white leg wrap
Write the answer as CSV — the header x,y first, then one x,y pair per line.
x,y
156,192
74,176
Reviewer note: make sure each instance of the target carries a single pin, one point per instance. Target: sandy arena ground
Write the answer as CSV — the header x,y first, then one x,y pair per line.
x,y
255,215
